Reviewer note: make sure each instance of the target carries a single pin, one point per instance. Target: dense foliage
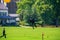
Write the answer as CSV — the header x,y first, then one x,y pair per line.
x,y
41,11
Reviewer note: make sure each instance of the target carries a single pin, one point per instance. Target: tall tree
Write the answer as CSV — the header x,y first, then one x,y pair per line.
x,y
56,4
41,10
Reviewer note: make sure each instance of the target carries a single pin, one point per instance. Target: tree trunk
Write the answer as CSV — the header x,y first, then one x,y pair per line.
x,y
57,24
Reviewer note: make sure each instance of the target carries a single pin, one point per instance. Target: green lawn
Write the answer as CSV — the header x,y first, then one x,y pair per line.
x,y
20,33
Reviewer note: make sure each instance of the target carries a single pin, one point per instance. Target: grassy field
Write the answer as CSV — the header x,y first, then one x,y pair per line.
x,y
20,33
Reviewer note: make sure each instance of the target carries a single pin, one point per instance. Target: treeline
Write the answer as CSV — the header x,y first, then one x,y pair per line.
x,y
45,12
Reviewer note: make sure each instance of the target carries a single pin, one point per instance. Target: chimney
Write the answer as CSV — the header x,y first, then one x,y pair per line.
x,y
2,1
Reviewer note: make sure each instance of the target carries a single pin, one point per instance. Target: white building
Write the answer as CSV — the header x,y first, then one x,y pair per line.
x,y
5,17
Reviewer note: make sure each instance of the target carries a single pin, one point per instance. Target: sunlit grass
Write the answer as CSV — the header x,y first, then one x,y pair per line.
x,y
20,33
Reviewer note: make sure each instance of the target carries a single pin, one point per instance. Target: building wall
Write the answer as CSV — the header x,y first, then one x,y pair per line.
x,y
12,7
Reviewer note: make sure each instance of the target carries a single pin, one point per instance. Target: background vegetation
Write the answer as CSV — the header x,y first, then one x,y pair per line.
x,y
42,11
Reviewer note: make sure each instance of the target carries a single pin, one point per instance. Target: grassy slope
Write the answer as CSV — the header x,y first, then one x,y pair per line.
x,y
14,33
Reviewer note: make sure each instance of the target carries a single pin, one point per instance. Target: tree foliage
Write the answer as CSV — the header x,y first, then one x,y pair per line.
x,y
40,10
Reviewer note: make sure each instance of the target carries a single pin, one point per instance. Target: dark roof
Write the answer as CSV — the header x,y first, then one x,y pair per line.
x,y
3,7
5,17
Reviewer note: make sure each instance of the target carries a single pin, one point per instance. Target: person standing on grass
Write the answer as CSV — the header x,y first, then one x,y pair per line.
x,y
32,21
3,33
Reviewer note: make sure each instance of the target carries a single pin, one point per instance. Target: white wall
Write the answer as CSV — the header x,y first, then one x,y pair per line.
x,y
1,1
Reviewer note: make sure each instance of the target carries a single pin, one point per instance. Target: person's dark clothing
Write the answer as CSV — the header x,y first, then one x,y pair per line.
x,y
3,34
33,24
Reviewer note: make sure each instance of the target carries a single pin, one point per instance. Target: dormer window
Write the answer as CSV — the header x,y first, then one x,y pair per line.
x,y
3,13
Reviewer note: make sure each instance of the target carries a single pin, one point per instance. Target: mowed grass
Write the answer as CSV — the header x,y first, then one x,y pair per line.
x,y
20,33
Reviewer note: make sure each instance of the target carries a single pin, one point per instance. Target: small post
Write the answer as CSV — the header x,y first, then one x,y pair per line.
x,y
42,36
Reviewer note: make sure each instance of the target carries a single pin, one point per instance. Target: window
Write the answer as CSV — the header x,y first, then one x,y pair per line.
x,y
3,13
12,21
